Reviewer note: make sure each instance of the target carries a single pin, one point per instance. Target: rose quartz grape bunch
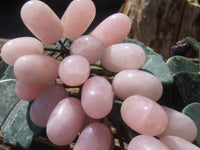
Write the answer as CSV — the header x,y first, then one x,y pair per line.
x,y
63,116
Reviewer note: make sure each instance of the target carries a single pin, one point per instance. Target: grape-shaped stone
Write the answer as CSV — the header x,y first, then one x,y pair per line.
x,y
145,142
97,97
74,70
42,21
95,136
113,29
119,57
44,104
178,124
36,69
65,121
15,48
136,82
177,143
144,115
28,91
77,18
89,47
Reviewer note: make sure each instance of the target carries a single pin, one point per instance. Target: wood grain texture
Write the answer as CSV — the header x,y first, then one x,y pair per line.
x,y
161,23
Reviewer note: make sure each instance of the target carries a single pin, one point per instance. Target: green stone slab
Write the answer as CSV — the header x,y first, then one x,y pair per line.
x,y
18,128
193,111
158,67
8,98
9,73
179,64
188,84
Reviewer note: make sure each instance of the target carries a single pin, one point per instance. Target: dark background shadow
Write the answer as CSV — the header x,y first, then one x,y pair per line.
x,y
11,25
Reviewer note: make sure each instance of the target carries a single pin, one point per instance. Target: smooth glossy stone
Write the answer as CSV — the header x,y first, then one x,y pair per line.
x,y
145,142
97,97
123,56
95,136
15,48
36,69
178,124
28,91
177,143
74,70
44,104
88,120
42,21
77,18
65,121
113,29
136,82
144,115
89,47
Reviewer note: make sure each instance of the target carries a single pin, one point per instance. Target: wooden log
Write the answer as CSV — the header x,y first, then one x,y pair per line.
x,y
161,23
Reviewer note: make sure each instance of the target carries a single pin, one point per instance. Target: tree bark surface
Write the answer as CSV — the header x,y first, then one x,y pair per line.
x,y
161,23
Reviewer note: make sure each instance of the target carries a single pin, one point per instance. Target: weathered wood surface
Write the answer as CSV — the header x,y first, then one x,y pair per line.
x,y
161,23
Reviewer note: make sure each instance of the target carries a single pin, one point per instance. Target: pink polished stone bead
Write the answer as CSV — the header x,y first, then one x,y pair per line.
x,y
36,69
136,82
95,136
178,124
44,104
123,56
74,70
177,143
28,92
89,47
145,142
65,121
113,29
88,120
15,48
42,21
144,115
77,18
97,97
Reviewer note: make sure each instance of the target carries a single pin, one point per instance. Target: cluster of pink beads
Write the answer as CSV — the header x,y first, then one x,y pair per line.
x,y
63,116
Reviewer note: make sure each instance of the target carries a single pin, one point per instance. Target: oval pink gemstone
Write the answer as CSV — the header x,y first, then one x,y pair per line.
x,y
95,136
136,82
28,91
36,69
123,56
74,70
144,115
89,47
44,104
65,121
15,48
145,142
42,21
113,29
178,124
97,97
177,143
77,18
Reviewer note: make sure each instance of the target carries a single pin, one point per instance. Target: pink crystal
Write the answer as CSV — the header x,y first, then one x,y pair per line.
x,y
77,18
145,142
113,29
144,115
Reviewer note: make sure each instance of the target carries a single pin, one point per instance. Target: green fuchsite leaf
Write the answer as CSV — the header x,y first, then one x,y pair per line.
x,y
159,68
18,128
193,111
179,63
188,84
9,73
3,67
8,98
